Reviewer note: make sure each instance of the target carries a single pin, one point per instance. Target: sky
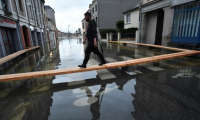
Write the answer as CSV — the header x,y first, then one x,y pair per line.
x,y
70,12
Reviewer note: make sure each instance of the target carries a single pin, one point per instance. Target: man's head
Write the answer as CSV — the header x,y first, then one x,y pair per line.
x,y
87,16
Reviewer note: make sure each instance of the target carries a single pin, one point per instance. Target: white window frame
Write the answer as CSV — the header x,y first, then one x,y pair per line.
x,y
128,18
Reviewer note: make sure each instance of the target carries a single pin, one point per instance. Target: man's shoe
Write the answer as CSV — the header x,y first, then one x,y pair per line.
x,y
82,66
102,63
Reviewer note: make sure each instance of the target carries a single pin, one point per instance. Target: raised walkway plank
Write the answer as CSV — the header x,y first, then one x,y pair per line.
x,y
29,75
12,77
16,54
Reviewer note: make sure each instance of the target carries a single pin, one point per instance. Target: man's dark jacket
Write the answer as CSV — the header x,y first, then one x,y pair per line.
x,y
91,32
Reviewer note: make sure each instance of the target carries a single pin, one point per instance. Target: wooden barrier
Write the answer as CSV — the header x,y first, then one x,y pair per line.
x,y
150,45
14,55
29,75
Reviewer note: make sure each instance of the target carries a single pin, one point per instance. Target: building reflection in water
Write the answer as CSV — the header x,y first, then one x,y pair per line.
x,y
28,107
170,94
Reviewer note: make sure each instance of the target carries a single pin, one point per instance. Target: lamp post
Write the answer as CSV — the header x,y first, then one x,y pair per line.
x,y
60,29
68,30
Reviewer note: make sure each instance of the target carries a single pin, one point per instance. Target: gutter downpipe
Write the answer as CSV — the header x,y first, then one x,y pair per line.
x,y
33,5
35,12
27,13
140,24
44,31
18,26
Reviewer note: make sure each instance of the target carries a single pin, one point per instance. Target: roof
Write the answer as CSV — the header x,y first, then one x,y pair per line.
x,y
47,7
83,19
132,8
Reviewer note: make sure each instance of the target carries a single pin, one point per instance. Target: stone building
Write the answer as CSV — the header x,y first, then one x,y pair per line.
x,y
107,13
51,26
21,25
170,21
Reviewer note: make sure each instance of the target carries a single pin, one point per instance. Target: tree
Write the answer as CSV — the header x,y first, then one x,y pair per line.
x,y
120,25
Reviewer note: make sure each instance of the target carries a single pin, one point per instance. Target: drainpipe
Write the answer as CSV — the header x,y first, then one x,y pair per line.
x,y
27,12
35,11
39,13
140,24
44,32
18,26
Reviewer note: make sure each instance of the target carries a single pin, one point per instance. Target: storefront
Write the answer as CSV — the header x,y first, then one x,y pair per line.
x,y
8,37
186,25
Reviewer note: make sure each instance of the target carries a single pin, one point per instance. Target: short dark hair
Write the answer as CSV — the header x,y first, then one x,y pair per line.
x,y
88,14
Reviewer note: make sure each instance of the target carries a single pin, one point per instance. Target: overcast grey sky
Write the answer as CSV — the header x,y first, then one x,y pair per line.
x,y
69,11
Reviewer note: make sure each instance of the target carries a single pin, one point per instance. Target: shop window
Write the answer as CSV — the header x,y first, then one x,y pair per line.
x,y
186,20
186,24
8,41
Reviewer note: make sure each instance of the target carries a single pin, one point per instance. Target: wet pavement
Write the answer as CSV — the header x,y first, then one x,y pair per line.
x,y
168,89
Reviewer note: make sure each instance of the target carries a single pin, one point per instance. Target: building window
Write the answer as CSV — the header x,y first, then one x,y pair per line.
x,y
93,9
20,5
186,20
8,41
96,8
96,19
4,4
83,25
128,18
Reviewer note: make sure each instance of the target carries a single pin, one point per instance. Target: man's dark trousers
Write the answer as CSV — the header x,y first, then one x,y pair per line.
x,y
92,48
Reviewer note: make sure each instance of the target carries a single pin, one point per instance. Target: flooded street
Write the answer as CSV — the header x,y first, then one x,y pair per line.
x,y
168,89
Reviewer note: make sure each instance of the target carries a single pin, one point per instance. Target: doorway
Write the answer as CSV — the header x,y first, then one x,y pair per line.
x,y
26,37
159,27
8,40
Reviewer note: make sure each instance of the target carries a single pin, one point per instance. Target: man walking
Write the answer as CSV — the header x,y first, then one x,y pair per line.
x,y
92,41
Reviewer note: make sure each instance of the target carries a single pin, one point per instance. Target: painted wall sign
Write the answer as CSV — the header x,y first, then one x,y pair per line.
x,y
7,23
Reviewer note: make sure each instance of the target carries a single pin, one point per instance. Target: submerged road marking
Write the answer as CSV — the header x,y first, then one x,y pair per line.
x,y
103,74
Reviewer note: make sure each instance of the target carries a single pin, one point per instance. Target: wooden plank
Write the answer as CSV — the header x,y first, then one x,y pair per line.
x,y
12,77
16,54
150,45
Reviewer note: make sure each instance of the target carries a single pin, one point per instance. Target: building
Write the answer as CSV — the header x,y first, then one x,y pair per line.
x,y
51,26
186,23
170,21
79,30
21,25
84,26
131,17
107,13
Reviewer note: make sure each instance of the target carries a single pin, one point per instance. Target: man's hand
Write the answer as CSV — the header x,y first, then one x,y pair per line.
x,y
95,44
84,40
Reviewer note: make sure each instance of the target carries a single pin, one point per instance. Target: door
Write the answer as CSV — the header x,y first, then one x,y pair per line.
x,y
8,41
159,27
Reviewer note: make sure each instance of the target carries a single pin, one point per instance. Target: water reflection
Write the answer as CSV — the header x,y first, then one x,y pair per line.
x,y
135,92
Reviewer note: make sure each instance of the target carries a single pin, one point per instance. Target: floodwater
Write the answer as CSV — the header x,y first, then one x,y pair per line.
x,y
168,89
